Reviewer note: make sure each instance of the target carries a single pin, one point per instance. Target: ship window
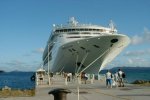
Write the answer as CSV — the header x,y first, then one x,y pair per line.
x,y
96,33
90,29
65,30
94,29
79,29
82,48
101,30
73,33
74,37
73,49
73,29
86,36
69,30
96,46
57,30
86,29
85,33
70,50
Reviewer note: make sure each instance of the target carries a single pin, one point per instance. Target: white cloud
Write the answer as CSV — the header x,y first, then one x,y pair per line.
x,y
147,34
135,58
138,53
130,61
27,62
143,38
139,56
137,61
19,65
39,50
136,40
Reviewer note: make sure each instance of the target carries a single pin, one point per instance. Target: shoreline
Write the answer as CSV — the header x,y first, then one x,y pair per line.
x,y
17,93
141,82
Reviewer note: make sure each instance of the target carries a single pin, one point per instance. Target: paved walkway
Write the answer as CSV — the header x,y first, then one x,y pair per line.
x,y
95,91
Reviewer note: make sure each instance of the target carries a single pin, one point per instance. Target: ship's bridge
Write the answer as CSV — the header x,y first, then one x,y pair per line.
x,y
74,26
103,30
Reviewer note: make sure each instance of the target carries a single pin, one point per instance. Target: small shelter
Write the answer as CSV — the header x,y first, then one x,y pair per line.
x,y
40,73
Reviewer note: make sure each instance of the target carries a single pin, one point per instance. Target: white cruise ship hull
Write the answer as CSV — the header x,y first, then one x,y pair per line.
x,y
88,55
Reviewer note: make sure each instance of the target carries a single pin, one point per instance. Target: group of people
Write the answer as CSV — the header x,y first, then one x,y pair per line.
x,y
71,76
116,79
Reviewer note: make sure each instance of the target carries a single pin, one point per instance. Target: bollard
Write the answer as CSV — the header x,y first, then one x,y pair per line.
x,y
59,93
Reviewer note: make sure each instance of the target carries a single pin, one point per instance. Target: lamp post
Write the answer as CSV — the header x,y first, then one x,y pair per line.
x,y
49,82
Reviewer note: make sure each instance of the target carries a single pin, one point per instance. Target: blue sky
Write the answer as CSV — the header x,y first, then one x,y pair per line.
x,y
25,26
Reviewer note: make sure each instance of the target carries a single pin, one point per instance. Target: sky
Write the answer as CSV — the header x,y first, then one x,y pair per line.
x,y
25,26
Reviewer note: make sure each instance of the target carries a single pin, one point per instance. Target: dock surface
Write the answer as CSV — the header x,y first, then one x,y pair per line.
x,y
88,91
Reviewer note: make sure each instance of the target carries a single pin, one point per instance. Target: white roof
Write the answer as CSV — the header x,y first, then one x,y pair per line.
x,y
40,70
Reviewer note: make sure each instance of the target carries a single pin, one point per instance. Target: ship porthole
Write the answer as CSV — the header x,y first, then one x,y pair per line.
x,y
114,40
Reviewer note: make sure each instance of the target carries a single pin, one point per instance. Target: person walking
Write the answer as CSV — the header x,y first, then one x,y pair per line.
x,y
120,76
116,78
108,79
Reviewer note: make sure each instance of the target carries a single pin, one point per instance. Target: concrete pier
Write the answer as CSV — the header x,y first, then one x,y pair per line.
x,y
95,91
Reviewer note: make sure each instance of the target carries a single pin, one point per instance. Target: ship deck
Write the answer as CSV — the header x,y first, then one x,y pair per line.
x,y
88,91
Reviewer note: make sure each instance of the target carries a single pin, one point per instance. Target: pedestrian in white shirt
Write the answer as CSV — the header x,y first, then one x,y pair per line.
x,y
108,79
120,73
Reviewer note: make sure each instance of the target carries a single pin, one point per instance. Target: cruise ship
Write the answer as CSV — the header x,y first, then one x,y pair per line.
x,y
77,48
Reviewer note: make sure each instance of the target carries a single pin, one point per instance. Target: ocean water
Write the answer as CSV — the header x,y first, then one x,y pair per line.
x,y
17,80
133,73
21,80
